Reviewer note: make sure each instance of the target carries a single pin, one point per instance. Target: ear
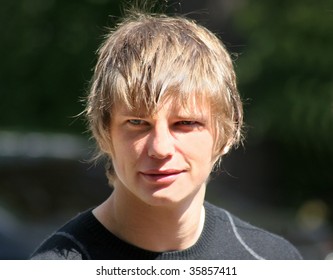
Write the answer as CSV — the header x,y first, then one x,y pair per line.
x,y
226,148
224,151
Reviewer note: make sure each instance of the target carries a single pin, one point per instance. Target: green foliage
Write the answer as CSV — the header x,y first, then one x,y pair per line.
x,y
285,73
48,50
286,70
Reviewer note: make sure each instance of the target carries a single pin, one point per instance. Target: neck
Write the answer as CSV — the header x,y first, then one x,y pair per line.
x,y
155,228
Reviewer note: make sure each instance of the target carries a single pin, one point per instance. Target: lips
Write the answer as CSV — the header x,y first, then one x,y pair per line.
x,y
161,176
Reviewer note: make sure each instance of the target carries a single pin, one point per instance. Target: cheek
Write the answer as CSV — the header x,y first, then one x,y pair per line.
x,y
127,153
200,149
125,143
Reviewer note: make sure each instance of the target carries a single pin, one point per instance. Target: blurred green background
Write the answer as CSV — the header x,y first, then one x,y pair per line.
x,y
281,180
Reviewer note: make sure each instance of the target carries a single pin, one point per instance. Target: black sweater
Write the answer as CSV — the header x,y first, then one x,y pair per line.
x,y
224,237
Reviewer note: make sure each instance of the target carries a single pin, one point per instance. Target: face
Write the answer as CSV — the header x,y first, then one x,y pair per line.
x,y
165,158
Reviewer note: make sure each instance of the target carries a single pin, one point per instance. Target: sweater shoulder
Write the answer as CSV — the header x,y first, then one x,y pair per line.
x,y
260,243
65,244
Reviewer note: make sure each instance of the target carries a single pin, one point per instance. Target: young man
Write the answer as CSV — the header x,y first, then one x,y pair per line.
x,y
164,108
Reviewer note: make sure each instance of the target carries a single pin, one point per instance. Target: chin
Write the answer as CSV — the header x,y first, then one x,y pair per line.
x,y
162,200
167,198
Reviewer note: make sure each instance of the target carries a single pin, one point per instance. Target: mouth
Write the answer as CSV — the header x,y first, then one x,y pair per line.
x,y
161,176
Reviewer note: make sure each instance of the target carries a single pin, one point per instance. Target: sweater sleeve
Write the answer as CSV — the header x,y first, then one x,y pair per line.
x,y
60,246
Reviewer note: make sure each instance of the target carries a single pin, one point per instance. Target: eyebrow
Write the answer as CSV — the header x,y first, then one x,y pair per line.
x,y
193,116
131,114
124,111
185,113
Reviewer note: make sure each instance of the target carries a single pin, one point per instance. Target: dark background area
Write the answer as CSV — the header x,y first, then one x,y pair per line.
x,y
281,179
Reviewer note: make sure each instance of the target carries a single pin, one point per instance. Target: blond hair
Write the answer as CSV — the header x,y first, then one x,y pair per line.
x,y
150,57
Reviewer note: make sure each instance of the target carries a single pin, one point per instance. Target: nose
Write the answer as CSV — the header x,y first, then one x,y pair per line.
x,y
161,142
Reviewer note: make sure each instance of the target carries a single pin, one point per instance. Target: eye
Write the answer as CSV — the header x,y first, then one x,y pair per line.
x,y
135,122
188,123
